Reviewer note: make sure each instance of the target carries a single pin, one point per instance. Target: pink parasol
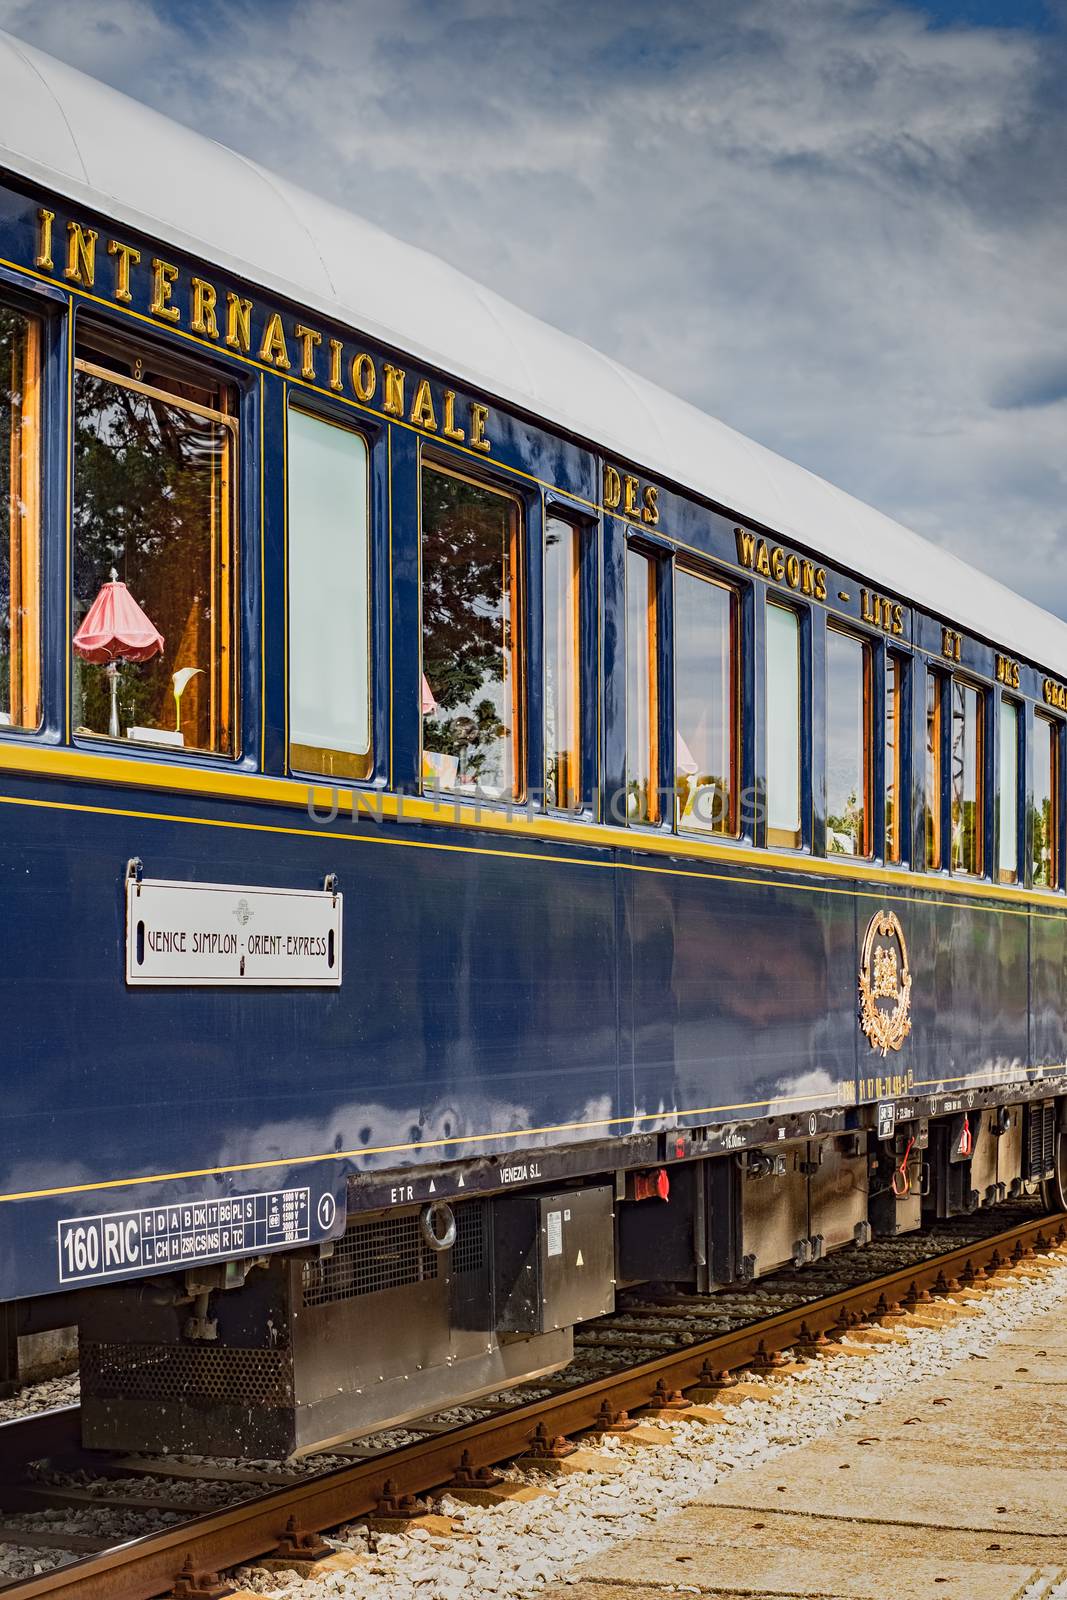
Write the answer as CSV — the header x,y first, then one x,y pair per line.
x,y
115,628
429,704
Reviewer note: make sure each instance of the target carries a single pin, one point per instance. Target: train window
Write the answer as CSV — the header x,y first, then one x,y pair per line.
x,y
894,723
1046,870
471,637
966,778
1008,855
783,727
848,744
642,689
154,553
563,709
329,600
706,720
932,798
20,656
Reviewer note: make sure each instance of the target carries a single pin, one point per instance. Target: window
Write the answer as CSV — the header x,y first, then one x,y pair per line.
x,y
1008,858
1046,865
706,720
932,806
783,727
894,724
329,601
471,637
965,756
848,745
20,429
642,689
154,576
563,710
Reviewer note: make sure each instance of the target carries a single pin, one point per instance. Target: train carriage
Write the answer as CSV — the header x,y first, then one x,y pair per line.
x,y
478,832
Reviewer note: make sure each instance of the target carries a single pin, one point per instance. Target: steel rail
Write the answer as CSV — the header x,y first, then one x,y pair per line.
x,y
149,1566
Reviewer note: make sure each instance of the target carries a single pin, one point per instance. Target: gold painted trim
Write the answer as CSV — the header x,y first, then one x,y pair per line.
x,y
178,402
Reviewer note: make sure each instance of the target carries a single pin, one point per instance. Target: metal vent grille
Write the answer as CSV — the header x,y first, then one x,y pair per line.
x,y
201,1375
1041,1141
468,1252
369,1257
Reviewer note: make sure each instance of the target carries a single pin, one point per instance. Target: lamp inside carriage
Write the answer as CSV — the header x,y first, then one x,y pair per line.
x,y
482,836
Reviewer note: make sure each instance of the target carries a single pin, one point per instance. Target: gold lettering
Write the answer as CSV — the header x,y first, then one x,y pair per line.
x,y
422,411
1007,671
746,547
951,644
364,377
792,571
238,322
898,619
762,563
820,583
807,577
650,512
308,340
202,315
43,258
448,426
81,254
125,258
629,498
866,611
1055,694
778,563
164,277
335,365
612,488
479,417
393,397
273,347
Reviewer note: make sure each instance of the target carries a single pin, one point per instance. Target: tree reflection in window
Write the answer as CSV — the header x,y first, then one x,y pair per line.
x,y
966,779
152,491
470,637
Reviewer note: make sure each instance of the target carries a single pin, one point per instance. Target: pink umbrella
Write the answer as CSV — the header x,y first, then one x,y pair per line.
x,y
115,629
429,704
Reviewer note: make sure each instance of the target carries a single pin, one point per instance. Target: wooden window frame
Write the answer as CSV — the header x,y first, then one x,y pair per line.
x,y
579,531
790,838
346,766
733,831
24,535
652,561
867,646
225,542
979,692
516,613
933,792
1054,728
1004,876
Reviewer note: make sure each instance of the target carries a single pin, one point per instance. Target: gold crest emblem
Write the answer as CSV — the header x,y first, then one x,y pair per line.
x,y
885,984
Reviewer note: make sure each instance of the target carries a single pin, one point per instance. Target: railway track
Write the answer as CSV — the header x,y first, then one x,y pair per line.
x,y
646,1354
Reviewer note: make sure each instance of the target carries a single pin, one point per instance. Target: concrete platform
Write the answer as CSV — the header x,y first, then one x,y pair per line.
x,y
955,1488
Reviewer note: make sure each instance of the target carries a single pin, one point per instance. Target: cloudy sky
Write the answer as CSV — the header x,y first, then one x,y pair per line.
x,y
839,225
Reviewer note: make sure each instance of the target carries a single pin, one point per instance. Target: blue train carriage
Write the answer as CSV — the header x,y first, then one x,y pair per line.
x,y
478,833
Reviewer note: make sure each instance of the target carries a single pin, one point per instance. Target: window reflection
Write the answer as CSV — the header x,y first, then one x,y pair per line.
x,y
847,743
894,699
783,727
932,806
153,473
642,723
1009,792
19,520
562,664
705,704
966,778
1046,802
471,691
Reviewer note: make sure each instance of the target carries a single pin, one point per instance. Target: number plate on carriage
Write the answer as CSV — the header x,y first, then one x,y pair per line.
x,y
219,933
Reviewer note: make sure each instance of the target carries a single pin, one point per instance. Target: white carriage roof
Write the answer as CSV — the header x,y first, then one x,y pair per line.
x,y
94,145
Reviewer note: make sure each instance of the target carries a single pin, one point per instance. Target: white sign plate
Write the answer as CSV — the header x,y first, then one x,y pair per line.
x,y
221,933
